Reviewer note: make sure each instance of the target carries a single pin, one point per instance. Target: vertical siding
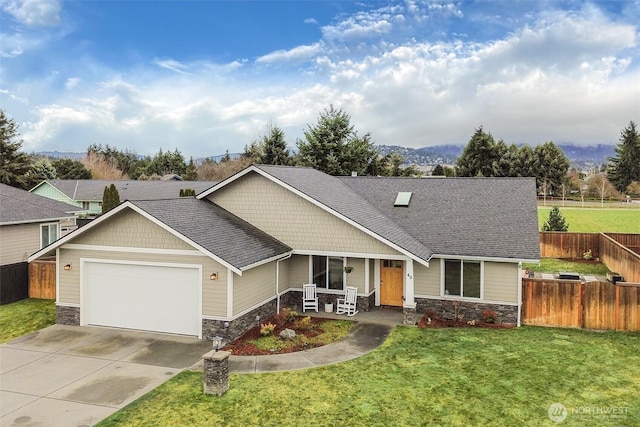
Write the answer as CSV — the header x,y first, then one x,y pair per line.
x,y
130,229
253,287
291,219
427,280
501,281
18,241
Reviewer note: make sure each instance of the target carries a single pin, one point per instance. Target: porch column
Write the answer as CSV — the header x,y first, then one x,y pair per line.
x,y
409,305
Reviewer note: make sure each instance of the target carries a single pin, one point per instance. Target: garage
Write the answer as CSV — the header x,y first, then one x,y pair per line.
x,y
150,296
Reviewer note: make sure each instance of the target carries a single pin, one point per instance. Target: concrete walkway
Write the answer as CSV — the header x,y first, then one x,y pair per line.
x,y
372,329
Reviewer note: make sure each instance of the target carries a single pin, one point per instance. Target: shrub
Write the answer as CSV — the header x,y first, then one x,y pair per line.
x,y
290,315
489,316
303,324
267,329
588,255
431,314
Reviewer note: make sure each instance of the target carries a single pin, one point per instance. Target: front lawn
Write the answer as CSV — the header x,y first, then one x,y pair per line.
x,y
28,315
425,377
553,265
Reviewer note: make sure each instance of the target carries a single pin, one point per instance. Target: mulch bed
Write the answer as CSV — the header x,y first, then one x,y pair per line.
x,y
450,323
243,346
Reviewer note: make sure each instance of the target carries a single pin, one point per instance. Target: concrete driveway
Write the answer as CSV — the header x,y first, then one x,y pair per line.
x,y
77,376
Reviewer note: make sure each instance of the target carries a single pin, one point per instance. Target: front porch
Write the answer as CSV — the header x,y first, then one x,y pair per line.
x,y
389,316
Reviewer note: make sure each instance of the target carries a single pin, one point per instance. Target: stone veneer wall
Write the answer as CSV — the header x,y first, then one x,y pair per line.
x,y
67,315
293,299
469,310
237,327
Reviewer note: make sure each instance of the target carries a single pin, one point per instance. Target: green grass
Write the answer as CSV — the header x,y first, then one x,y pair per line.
x,y
22,317
456,377
596,220
552,265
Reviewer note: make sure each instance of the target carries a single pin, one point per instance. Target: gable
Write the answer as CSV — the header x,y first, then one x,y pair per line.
x,y
291,219
130,229
47,190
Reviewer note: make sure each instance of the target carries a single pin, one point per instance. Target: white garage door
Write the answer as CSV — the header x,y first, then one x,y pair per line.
x,y
148,297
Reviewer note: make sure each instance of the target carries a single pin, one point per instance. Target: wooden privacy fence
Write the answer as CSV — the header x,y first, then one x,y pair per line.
x,y
42,279
618,251
591,305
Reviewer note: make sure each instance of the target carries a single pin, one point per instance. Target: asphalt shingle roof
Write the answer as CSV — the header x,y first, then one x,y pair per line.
x,y
489,217
93,189
215,229
333,193
20,206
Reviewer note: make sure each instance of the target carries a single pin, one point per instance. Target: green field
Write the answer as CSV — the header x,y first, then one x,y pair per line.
x,y
596,220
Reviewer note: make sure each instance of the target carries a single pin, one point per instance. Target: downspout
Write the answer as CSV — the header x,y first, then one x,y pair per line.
x,y
519,293
278,280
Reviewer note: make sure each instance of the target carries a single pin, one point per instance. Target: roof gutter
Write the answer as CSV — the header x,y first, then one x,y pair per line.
x,y
33,221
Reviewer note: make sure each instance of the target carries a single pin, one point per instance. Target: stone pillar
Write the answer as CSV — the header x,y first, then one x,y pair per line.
x,y
216,372
409,315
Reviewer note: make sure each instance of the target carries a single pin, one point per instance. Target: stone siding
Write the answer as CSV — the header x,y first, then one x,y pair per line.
x,y
468,309
67,315
293,300
237,327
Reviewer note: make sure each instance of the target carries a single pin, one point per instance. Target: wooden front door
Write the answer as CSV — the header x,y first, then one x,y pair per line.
x,y
391,282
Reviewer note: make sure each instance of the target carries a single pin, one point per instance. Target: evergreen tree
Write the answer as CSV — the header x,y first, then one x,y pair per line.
x,y
274,148
14,164
551,167
110,198
479,157
438,170
624,168
556,221
334,147
191,173
70,169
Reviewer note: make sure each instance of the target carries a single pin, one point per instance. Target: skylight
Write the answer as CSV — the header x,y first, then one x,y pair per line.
x,y
403,198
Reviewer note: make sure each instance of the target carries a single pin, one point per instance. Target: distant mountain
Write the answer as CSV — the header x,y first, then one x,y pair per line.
x,y
61,155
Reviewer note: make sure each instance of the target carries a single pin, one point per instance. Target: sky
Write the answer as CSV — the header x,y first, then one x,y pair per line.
x,y
208,76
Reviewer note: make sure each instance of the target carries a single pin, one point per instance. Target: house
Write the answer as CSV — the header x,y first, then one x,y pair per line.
x,y
28,222
87,193
216,264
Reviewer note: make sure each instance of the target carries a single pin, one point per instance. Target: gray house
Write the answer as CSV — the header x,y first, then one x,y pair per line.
x,y
28,223
244,247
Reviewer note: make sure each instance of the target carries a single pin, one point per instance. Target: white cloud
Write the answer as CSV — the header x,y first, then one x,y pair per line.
x,y
171,64
71,82
296,54
35,13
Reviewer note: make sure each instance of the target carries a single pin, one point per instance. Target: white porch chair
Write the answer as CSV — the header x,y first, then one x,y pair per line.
x,y
348,303
309,297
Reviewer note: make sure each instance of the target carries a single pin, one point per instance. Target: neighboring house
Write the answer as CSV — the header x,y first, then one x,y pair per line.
x,y
28,222
214,264
87,193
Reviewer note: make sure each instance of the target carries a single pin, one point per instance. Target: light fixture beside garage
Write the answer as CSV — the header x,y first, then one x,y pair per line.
x,y
214,276
67,267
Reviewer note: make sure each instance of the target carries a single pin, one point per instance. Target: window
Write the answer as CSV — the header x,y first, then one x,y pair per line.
x,y
328,272
462,278
48,234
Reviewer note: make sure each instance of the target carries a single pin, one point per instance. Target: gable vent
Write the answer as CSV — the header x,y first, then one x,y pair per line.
x,y
403,198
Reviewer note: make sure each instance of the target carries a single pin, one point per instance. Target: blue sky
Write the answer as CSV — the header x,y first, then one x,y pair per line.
x,y
207,76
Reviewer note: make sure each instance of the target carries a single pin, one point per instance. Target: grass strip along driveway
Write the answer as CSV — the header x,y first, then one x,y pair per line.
x,y
425,377
25,316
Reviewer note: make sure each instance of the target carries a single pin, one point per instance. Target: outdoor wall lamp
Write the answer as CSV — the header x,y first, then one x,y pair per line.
x,y
67,267
214,276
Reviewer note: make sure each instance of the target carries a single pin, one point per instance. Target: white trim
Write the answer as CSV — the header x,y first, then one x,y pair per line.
x,y
442,277
347,254
376,280
409,285
58,275
229,293
474,300
519,321
315,202
366,275
484,258
36,221
264,261
157,251
67,304
48,225
84,282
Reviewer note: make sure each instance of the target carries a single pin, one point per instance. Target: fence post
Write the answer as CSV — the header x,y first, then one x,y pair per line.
x,y
216,372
